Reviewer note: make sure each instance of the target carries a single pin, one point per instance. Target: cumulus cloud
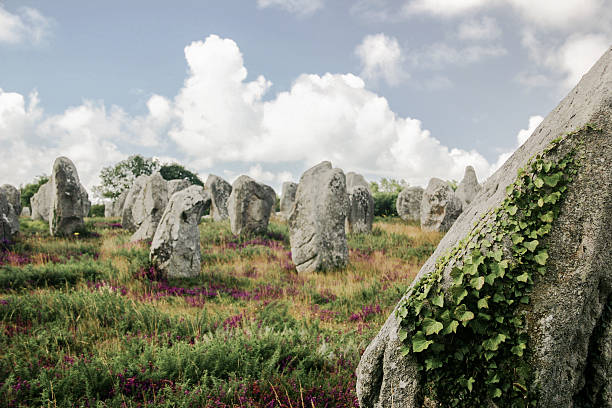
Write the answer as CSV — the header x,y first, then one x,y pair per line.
x,y
381,58
521,137
486,28
27,25
302,7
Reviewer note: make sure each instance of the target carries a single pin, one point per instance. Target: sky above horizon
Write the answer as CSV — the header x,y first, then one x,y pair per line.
x,y
404,89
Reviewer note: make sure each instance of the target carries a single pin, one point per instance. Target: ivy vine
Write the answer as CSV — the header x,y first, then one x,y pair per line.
x,y
468,334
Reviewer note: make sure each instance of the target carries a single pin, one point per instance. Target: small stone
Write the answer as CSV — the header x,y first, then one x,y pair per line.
x,y
249,206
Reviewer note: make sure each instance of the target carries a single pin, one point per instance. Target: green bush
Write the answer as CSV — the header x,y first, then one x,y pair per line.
x,y
384,204
97,210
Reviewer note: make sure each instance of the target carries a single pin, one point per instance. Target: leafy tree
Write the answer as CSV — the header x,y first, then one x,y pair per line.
x,y
175,171
120,177
30,189
97,210
388,185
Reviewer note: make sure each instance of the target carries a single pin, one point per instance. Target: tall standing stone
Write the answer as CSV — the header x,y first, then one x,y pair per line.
x,y
360,210
40,203
568,318
149,207
249,206
13,195
175,249
220,191
355,179
9,219
469,187
67,204
408,203
177,185
115,208
287,197
316,224
85,203
439,206
127,218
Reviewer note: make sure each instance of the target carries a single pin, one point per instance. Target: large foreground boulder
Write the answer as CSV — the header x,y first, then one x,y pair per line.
x,y
287,197
316,224
514,307
360,210
408,203
220,191
439,206
40,203
68,199
127,217
175,249
249,206
149,207
468,188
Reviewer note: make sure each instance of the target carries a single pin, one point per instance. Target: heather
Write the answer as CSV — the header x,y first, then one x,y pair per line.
x,y
86,320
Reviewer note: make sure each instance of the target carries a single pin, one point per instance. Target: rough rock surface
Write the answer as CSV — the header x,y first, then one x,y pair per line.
x,y
127,218
439,206
85,203
220,191
177,185
13,195
316,224
249,206
354,180
287,197
408,203
360,210
67,199
469,188
115,208
569,316
25,212
176,244
40,203
149,207
9,219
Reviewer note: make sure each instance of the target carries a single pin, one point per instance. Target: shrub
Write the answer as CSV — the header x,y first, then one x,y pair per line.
x,y
97,210
384,204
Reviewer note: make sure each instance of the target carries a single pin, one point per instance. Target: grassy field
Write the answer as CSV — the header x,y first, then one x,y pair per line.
x,y
86,321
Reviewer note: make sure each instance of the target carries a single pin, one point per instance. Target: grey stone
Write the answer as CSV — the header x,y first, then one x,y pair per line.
x,y
13,196
408,203
127,218
177,185
25,212
287,197
439,206
316,224
249,206
40,203
220,191
9,219
469,188
360,210
175,249
149,207
115,208
67,199
354,180
85,203
569,315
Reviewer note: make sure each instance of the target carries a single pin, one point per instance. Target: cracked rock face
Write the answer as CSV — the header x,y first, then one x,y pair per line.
x,y
360,210
68,199
177,185
288,197
469,188
408,203
175,249
40,203
569,314
220,191
249,206
439,206
316,224
149,207
127,218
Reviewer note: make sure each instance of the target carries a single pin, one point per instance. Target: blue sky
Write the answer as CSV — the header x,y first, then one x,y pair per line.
x,y
407,89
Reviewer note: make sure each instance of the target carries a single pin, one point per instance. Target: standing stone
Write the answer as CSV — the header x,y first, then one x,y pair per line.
x,y
177,185
287,197
360,210
469,188
25,212
115,208
439,206
408,203
220,191
86,204
175,249
316,224
127,218
249,206
40,203
9,219
149,207
568,317
354,180
67,205
13,195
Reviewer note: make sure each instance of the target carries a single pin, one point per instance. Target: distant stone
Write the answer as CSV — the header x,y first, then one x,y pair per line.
x,y
86,204
249,206
127,218
177,185
469,188
439,206
67,199
13,196
316,224
354,180
40,203
115,208
25,212
175,249
9,219
220,191
149,207
408,203
287,197
360,210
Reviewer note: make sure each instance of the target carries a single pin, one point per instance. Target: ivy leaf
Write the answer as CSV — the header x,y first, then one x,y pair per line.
x,y
431,326
497,255
490,278
470,381
419,342
548,217
438,300
498,298
451,327
552,198
541,257
493,343
458,293
553,179
483,303
432,363
547,166
477,282
512,209
463,315
402,335
540,202
470,268
523,277
457,276
497,393
517,239
538,182
531,245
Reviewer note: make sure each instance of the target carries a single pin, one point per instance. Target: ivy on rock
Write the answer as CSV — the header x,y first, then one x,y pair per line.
x,y
468,333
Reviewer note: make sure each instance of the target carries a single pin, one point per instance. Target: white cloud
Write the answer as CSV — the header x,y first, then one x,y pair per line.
x,y
302,7
28,25
521,137
443,8
381,57
439,55
484,29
